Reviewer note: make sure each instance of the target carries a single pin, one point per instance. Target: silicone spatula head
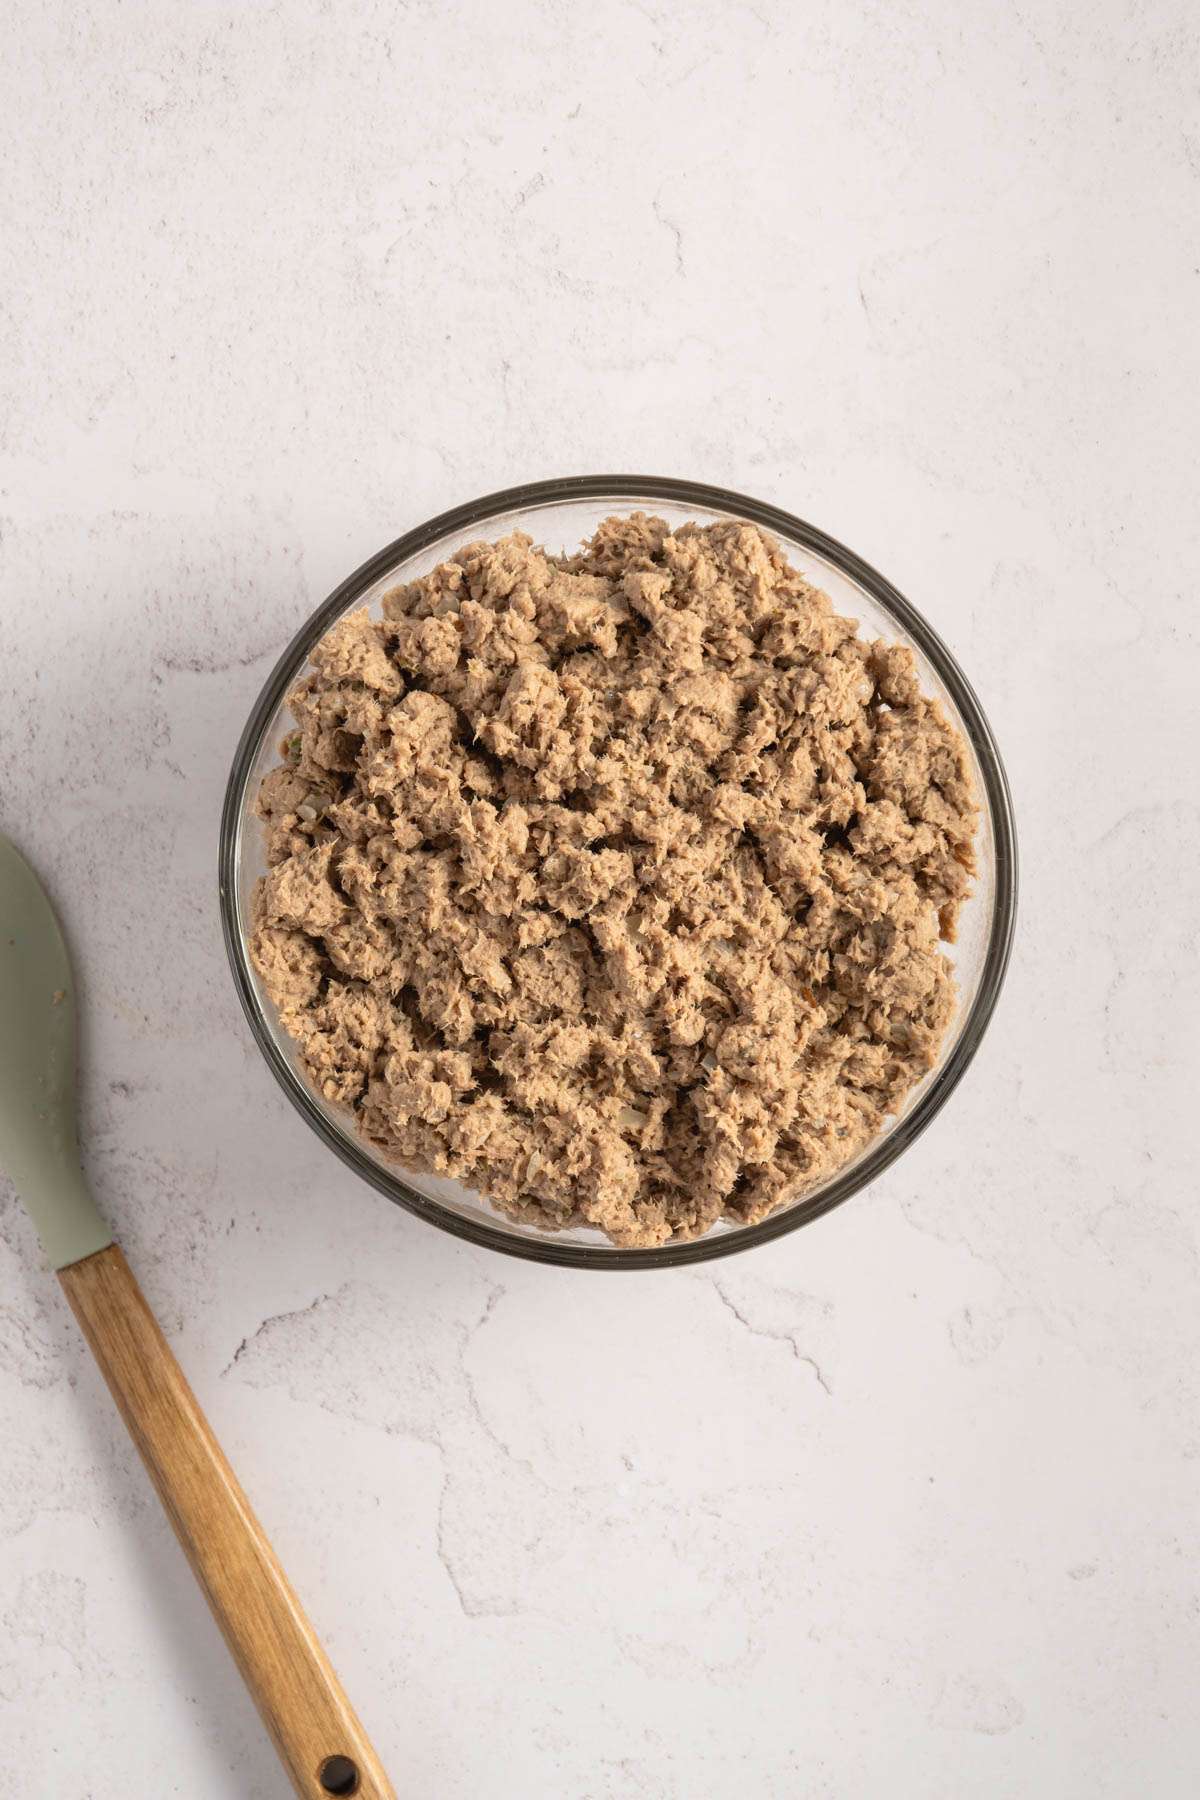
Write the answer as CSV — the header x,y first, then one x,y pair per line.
x,y
39,1147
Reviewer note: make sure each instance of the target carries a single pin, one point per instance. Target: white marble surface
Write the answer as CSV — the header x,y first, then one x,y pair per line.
x,y
905,1505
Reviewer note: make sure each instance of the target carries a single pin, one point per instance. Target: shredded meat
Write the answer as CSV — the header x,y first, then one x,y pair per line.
x,y
612,885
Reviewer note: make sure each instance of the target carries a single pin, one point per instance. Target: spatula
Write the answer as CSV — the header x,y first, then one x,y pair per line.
x,y
314,1728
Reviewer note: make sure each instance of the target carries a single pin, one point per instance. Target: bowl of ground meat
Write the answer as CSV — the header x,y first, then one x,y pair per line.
x,y
617,872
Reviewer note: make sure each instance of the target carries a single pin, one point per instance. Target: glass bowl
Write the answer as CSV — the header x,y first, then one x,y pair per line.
x,y
559,515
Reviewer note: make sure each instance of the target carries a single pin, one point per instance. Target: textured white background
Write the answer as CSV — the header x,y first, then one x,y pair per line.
x,y
905,1506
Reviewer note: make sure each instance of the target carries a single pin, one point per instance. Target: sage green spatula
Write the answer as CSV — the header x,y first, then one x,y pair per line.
x,y
322,1745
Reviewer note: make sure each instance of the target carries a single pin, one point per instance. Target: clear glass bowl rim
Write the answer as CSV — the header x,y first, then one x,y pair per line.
x,y
633,488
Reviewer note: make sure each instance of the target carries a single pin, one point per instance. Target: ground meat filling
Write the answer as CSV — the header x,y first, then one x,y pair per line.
x,y
612,885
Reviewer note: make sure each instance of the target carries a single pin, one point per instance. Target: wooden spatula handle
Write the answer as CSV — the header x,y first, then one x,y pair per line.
x,y
314,1728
